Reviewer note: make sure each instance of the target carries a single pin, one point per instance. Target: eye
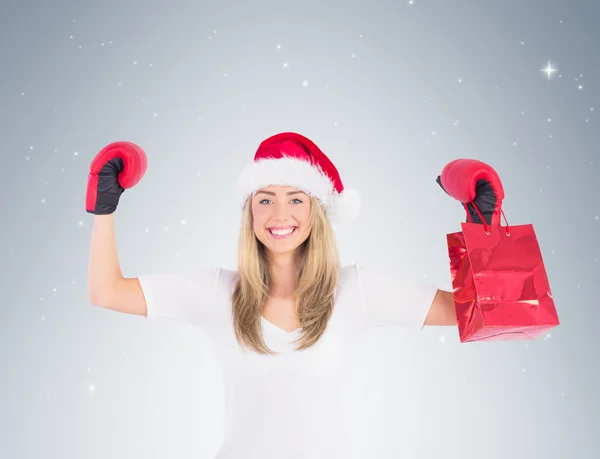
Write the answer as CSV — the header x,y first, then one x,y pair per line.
x,y
260,202
296,199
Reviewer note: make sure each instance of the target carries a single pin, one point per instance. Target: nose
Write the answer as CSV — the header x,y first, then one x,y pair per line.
x,y
281,211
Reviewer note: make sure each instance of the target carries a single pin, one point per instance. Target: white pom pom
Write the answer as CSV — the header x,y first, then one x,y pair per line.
x,y
344,207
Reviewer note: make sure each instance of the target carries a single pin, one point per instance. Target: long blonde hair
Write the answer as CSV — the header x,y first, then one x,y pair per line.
x,y
316,281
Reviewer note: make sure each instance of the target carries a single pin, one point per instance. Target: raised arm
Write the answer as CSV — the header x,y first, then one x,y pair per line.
x,y
118,166
106,285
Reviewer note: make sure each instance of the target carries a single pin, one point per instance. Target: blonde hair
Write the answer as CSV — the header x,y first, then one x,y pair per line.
x,y
315,283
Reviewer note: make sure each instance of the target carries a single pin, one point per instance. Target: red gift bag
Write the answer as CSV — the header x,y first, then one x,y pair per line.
x,y
501,290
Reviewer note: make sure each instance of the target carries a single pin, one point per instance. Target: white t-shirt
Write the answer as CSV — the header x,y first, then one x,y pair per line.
x,y
289,405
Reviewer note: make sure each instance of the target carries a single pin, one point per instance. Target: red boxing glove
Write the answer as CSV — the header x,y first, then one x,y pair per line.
x,y
470,181
118,166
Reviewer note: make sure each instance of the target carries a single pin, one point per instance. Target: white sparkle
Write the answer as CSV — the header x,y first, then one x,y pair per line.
x,y
305,83
285,65
92,388
549,70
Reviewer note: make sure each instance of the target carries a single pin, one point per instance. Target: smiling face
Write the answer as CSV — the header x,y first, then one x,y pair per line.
x,y
281,216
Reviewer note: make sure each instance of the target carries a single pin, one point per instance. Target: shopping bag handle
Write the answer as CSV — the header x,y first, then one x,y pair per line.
x,y
485,225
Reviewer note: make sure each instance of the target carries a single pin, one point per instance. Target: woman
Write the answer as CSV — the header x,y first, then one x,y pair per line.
x,y
285,323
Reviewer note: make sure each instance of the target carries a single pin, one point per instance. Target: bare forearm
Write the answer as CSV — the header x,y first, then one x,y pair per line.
x,y
104,267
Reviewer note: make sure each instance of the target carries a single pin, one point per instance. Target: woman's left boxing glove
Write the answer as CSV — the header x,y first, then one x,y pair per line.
x,y
471,181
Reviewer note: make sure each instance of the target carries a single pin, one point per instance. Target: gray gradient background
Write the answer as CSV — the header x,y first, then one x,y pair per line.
x,y
395,91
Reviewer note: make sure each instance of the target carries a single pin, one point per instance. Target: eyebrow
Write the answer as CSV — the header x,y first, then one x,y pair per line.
x,y
289,193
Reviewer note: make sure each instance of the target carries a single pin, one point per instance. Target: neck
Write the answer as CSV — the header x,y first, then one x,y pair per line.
x,y
283,268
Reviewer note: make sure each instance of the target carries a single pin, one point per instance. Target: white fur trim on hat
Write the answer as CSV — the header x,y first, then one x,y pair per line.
x,y
299,174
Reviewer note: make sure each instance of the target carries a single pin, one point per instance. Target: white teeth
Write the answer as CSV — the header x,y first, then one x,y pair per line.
x,y
282,232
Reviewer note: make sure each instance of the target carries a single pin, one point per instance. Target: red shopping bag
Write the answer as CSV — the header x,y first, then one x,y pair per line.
x,y
501,290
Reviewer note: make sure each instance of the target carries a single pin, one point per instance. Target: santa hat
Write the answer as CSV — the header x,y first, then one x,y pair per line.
x,y
290,159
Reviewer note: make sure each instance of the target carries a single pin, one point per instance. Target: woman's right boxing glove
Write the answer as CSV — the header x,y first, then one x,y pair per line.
x,y
118,166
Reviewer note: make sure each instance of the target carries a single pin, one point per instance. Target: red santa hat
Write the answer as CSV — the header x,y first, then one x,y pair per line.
x,y
290,159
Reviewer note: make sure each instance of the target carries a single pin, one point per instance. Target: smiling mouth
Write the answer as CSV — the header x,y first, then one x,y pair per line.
x,y
283,232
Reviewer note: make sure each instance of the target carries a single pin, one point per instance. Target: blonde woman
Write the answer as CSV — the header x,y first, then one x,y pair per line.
x,y
285,323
